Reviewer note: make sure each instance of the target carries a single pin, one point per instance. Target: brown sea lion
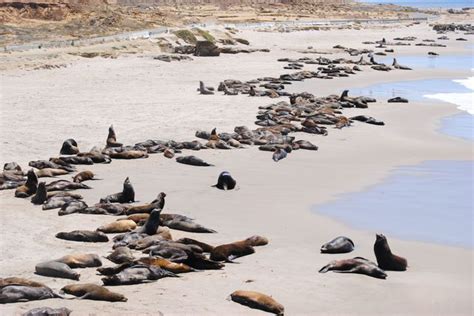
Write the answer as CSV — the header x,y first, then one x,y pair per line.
x,y
166,264
41,195
339,244
139,218
189,241
48,311
56,269
112,138
83,176
157,203
355,265
137,274
127,194
385,258
69,147
83,235
258,300
93,292
121,255
129,154
30,186
19,281
20,293
118,227
229,252
50,172
81,260
168,153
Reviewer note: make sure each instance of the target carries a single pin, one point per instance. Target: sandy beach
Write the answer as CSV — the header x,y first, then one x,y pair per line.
x,y
148,99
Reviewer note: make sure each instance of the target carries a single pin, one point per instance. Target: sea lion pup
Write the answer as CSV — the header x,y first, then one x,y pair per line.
x,y
137,274
20,293
279,154
157,203
19,281
90,291
112,138
229,252
193,161
166,264
355,265
84,176
339,244
225,181
41,195
83,235
203,89
30,186
69,147
152,223
385,258
121,255
56,269
368,120
50,172
65,185
48,311
396,65
118,227
258,301
127,194
129,154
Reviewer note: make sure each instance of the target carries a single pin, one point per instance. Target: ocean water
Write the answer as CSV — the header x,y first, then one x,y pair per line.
x,y
426,4
430,202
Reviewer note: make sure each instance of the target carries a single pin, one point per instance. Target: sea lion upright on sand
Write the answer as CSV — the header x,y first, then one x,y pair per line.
x,y
203,89
225,181
41,195
127,194
112,138
29,188
385,258
152,224
69,147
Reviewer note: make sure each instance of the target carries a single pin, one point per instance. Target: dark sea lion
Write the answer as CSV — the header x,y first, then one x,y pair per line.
x,y
81,260
73,160
385,258
21,293
41,195
152,223
50,172
71,207
112,138
193,161
69,147
148,241
307,145
163,244
121,255
225,181
137,274
11,166
127,194
65,185
83,235
57,202
19,281
43,164
115,269
83,176
48,311
96,156
367,119
122,226
183,223
279,154
258,301
189,241
397,100
396,65
203,89
106,209
30,186
339,244
56,269
129,154
96,292
355,265
166,264
157,203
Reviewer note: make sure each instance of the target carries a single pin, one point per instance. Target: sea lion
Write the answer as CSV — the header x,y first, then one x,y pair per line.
x,y
72,160
193,161
385,258
183,223
30,186
69,147
19,281
65,185
137,274
258,301
166,264
121,255
307,145
397,100
43,164
367,119
339,244
81,260
73,206
21,293
93,292
48,311
157,203
11,166
57,202
41,195
225,181
106,209
118,227
229,252
50,172
189,241
129,154
139,218
127,194
56,269
84,176
112,138
396,65
355,265
83,235
96,156
168,153
203,89
279,154
152,223
148,241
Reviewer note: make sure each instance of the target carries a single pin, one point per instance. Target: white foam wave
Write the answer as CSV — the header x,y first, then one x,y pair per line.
x,y
464,101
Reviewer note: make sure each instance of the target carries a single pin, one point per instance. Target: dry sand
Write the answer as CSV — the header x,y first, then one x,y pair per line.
x,y
148,99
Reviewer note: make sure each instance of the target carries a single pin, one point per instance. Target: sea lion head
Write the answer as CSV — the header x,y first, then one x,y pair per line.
x,y
257,240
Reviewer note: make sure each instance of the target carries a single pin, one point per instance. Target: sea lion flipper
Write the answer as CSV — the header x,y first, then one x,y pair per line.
x,y
325,269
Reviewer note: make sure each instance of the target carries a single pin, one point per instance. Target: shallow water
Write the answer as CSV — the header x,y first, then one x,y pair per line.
x,y
430,202
426,4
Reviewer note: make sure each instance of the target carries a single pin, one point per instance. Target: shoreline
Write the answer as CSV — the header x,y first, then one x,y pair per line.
x,y
274,200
